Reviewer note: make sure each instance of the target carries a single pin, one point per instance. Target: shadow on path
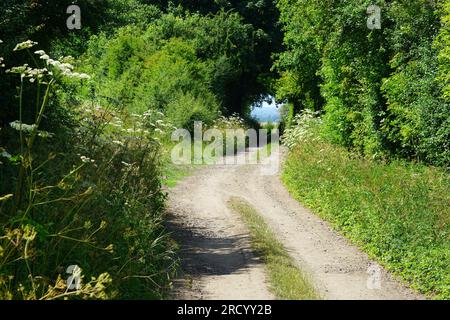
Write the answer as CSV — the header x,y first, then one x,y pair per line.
x,y
204,253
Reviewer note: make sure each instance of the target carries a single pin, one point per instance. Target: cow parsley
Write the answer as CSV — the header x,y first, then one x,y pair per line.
x,y
25,45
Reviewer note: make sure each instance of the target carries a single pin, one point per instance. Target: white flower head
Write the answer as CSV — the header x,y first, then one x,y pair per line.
x,y
25,45
22,70
19,126
26,72
65,68
84,76
86,159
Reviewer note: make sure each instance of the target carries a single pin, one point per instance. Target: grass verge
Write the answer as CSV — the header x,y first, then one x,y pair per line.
x,y
287,281
397,212
172,174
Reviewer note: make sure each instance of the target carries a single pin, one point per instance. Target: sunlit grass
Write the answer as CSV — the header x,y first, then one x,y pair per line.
x,y
287,281
398,212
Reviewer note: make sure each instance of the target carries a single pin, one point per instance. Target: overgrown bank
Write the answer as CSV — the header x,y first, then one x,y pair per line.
x,y
396,211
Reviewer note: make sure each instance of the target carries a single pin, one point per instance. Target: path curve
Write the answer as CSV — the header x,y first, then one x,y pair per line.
x,y
218,262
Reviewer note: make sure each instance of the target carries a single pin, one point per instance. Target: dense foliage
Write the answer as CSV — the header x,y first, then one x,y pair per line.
x,y
243,70
186,64
383,90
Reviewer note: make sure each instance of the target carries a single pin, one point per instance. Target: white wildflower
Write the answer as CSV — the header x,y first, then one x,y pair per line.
x,y
86,159
45,134
25,45
67,59
84,76
36,73
301,131
26,72
67,66
40,52
19,126
20,70
56,64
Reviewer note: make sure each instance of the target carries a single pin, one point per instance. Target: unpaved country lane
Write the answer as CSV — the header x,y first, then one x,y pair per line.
x,y
217,258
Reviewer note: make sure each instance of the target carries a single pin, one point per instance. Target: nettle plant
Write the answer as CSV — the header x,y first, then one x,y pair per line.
x,y
21,233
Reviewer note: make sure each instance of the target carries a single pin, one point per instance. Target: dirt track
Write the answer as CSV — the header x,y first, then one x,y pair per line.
x,y
218,262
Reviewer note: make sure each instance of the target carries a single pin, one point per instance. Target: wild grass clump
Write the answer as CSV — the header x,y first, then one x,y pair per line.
x,y
396,211
86,195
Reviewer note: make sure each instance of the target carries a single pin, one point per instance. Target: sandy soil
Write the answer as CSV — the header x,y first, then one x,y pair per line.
x,y
217,259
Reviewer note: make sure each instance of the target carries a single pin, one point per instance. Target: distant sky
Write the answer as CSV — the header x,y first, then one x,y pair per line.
x,y
268,112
